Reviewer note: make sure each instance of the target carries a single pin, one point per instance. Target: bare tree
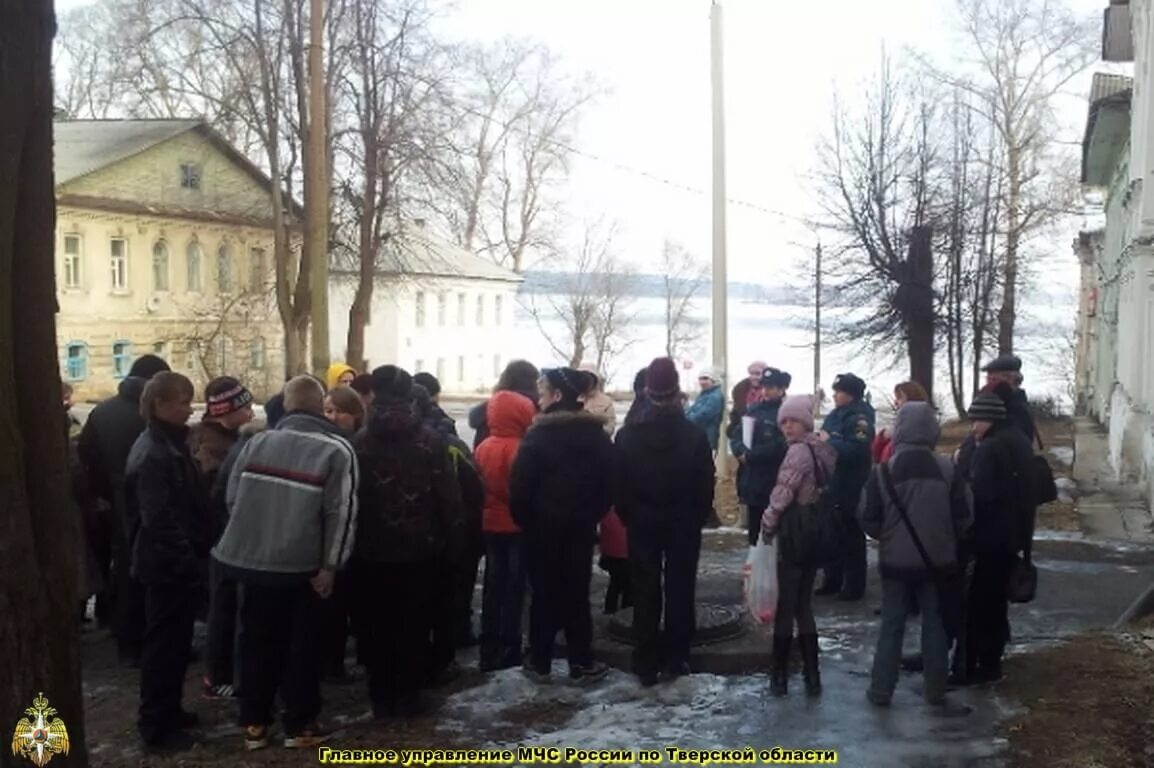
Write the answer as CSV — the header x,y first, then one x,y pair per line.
x,y
589,307
517,114
683,276
1025,53
878,192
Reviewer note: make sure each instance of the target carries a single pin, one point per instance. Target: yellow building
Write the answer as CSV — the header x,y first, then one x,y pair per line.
x,y
164,244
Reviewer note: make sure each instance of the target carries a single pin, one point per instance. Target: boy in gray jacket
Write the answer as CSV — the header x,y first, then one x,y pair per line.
x,y
292,501
918,508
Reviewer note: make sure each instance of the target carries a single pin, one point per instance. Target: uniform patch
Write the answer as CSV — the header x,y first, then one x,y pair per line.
x,y
861,429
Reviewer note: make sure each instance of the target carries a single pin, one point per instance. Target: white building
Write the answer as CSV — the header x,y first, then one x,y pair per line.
x,y
1116,320
436,308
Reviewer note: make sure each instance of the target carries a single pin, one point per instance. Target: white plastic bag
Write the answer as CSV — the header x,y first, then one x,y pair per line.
x,y
760,581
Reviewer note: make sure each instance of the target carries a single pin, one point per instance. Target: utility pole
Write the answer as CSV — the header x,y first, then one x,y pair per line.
x,y
817,319
317,214
720,286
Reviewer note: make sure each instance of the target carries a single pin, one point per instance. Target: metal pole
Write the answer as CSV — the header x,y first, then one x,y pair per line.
x,y
817,320
318,213
720,315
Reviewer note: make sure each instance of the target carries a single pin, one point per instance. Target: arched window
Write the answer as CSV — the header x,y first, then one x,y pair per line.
x,y
192,255
160,266
224,268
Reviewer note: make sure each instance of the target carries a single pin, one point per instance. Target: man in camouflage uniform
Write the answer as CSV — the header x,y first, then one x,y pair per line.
x,y
849,429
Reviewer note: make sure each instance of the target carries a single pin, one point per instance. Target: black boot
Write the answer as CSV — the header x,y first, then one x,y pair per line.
x,y
831,581
810,669
779,674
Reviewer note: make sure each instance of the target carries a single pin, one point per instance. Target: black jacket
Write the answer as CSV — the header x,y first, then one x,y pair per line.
x,y
664,472
562,477
472,494
166,508
757,475
410,501
1018,410
1002,476
106,440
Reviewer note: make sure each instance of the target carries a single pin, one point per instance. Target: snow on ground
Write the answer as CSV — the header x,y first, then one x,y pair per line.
x,y
1064,454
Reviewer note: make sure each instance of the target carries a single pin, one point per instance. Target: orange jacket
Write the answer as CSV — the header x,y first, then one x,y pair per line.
x,y
509,416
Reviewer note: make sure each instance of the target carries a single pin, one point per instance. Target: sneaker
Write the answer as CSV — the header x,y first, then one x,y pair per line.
x,y
222,692
256,737
583,672
307,737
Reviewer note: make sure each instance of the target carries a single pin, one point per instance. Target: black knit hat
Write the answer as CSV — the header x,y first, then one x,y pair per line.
x,y
429,382
392,383
147,366
570,382
662,379
850,384
224,395
987,407
772,378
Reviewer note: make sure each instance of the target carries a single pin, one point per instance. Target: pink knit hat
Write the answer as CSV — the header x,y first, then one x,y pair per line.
x,y
798,408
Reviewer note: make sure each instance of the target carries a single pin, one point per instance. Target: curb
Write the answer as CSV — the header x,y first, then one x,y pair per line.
x,y
1139,609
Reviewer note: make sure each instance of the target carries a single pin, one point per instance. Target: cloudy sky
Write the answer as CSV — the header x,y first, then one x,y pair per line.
x,y
645,146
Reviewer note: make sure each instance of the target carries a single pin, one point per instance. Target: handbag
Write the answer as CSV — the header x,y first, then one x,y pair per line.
x,y
949,586
812,532
1045,489
1023,583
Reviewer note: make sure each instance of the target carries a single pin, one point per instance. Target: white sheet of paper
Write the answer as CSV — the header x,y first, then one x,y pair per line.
x,y
747,424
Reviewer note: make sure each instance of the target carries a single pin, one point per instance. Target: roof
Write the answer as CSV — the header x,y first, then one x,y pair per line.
x,y
415,251
83,147
1107,127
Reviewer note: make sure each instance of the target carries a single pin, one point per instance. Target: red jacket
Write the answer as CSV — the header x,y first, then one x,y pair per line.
x,y
614,538
883,447
509,415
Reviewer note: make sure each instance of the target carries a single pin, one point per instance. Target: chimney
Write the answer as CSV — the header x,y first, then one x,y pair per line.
x,y
420,223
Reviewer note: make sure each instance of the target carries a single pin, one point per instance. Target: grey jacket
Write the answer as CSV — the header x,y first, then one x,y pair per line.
x,y
935,497
292,502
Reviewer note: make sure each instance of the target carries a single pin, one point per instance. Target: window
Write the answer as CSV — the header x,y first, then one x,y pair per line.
x,y
192,255
461,369
160,349
442,309
440,369
256,269
420,309
224,354
160,266
499,310
256,354
497,366
72,261
118,256
224,268
195,352
462,309
480,311
121,359
189,176
76,361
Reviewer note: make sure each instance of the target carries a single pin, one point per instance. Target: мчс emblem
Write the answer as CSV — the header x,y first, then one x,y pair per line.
x,y
41,734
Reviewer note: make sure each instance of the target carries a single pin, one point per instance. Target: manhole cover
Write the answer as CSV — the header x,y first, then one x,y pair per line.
x,y
715,624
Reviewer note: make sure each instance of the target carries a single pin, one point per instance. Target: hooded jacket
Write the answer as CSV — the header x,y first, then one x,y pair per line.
x,y
664,472
561,480
851,432
478,417
106,440
336,370
509,417
706,413
410,500
292,501
797,479
1002,474
931,490
757,474
166,510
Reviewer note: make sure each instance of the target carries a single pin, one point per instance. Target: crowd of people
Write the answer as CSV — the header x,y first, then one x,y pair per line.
x,y
357,511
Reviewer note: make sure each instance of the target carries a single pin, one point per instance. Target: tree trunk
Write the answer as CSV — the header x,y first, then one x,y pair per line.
x,y
920,323
39,529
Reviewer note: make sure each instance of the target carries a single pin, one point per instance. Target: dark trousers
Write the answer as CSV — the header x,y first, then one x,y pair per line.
x,y
795,599
130,609
618,594
169,613
988,617
222,625
672,549
396,600
466,587
753,523
443,650
337,620
280,653
503,600
848,573
560,572
102,536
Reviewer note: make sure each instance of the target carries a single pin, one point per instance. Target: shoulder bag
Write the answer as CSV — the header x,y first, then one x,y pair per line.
x,y
811,533
1045,489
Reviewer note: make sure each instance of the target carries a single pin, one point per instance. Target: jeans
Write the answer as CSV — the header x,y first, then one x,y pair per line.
x,y
503,601
795,599
169,612
897,603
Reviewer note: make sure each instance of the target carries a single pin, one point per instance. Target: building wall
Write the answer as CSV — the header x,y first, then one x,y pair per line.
x,y
202,333
154,176
465,348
